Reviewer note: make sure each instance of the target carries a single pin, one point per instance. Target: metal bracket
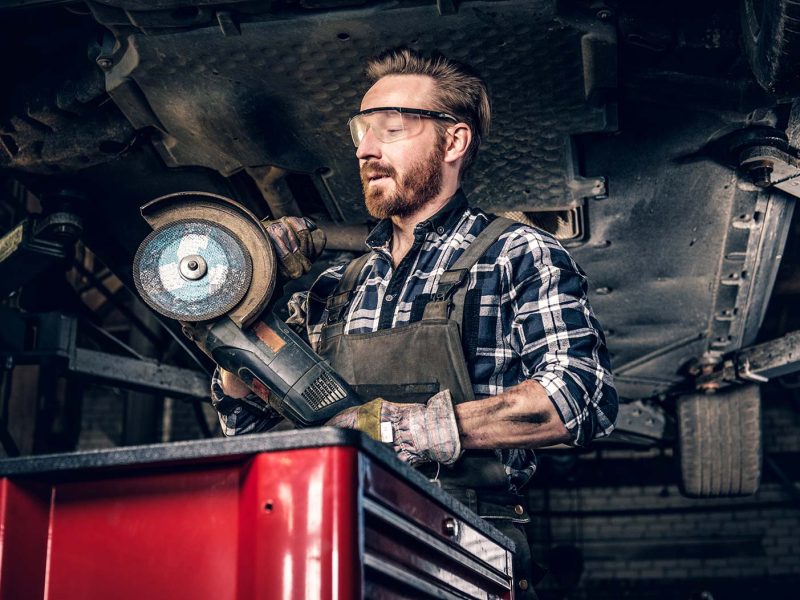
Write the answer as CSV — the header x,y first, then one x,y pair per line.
x,y
227,23
763,154
770,166
757,364
642,420
588,187
446,7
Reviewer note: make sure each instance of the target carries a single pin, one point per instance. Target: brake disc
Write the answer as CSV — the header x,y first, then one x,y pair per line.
x,y
192,270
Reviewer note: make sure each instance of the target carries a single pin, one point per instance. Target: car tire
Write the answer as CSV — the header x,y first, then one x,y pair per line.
x,y
771,36
719,442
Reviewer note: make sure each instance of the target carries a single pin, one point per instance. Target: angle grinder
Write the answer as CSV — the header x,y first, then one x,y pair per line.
x,y
209,264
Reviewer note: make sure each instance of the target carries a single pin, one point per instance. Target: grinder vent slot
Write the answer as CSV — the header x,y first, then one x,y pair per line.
x,y
323,391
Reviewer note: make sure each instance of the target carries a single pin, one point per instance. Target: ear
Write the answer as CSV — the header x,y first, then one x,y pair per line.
x,y
459,137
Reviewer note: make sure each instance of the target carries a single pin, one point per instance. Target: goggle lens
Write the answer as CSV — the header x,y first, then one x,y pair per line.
x,y
386,125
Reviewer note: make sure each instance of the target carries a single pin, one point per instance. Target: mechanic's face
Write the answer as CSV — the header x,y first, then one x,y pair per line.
x,y
401,176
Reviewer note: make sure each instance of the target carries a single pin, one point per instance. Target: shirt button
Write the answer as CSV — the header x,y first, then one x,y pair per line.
x,y
440,230
389,297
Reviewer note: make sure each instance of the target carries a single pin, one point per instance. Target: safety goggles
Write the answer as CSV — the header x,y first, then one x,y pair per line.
x,y
392,123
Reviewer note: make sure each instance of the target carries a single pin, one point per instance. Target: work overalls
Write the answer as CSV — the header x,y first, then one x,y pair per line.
x,y
411,363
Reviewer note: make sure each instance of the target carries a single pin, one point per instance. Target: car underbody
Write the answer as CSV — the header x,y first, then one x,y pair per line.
x,y
657,141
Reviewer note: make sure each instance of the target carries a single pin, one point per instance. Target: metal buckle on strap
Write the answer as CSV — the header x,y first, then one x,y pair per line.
x,y
448,283
335,315
336,305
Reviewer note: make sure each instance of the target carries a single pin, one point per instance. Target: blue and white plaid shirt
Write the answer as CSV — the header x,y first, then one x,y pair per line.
x,y
526,317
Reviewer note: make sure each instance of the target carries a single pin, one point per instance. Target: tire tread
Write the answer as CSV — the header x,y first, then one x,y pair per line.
x,y
719,443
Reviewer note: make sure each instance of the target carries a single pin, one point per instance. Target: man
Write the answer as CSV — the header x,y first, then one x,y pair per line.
x,y
475,336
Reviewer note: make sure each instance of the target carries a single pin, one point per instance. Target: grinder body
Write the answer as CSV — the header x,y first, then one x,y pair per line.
x,y
274,362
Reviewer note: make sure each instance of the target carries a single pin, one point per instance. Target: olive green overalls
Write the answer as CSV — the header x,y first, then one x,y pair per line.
x,y
411,363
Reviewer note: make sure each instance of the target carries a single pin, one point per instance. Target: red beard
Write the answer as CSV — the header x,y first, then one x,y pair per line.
x,y
421,184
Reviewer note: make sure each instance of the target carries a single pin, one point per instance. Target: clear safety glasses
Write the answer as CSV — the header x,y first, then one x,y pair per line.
x,y
392,123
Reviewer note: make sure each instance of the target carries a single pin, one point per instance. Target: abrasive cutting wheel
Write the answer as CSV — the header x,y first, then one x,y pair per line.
x,y
192,270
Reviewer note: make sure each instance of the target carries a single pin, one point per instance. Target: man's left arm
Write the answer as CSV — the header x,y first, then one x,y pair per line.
x,y
521,417
566,394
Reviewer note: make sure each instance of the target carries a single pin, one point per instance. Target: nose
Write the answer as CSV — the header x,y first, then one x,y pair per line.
x,y
369,146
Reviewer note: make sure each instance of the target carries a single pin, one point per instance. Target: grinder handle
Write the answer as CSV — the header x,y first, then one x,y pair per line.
x,y
274,362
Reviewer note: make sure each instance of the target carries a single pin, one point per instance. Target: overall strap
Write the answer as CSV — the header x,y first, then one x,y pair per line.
x,y
338,301
448,302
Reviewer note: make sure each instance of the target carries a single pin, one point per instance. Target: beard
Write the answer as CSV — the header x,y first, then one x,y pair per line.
x,y
421,184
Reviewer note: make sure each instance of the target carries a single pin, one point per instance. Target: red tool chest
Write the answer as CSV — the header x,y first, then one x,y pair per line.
x,y
323,513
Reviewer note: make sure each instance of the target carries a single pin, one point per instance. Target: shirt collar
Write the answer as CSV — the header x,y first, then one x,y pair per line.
x,y
442,222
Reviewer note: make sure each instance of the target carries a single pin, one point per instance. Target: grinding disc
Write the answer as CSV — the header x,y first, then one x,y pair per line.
x,y
231,215
192,270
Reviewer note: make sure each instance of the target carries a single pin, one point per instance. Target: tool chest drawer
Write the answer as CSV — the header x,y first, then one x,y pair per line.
x,y
322,514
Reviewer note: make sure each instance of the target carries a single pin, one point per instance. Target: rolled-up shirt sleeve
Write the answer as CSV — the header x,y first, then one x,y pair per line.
x,y
559,340
237,416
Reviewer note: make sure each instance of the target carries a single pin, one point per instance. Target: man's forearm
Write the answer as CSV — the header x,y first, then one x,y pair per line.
x,y
521,417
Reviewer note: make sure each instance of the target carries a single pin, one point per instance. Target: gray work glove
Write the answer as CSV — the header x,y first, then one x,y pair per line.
x,y
419,433
297,242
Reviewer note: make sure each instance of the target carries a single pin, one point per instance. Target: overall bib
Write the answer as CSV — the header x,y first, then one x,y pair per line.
x,y
411,363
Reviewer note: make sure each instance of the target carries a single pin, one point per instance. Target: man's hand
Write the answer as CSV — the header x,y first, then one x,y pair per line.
x,y
231,385
419,433
521,417
297,242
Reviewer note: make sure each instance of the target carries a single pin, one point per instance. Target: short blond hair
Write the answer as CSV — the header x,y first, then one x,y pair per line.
x,y
459,90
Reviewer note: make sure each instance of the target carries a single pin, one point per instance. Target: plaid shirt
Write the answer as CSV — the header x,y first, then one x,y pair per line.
x,y
526,317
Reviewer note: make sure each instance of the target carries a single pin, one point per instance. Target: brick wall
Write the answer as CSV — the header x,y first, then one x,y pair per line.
x,y
103,416
648,541
781,423
184,424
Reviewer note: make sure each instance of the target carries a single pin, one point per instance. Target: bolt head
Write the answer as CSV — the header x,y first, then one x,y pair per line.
x,y
450,527
760,173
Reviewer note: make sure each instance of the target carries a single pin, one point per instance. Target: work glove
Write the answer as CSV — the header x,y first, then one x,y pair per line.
x,y
419,433
297,242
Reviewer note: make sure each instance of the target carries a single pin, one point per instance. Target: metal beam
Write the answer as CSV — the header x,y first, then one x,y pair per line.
x,y
142,375
4,4
770,359
757,364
